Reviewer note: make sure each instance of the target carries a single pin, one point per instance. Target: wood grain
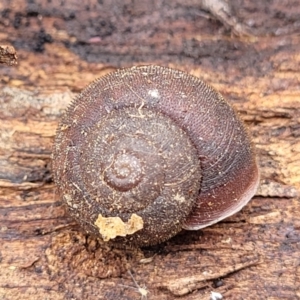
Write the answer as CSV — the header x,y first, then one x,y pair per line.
x,y
63,47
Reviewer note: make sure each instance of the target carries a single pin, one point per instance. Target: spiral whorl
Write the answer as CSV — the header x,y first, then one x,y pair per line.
x,y
145,151
132,161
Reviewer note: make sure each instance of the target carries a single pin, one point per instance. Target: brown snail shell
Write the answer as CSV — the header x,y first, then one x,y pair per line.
x,y
146,151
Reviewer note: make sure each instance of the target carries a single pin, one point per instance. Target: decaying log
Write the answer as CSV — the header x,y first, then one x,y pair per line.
x,y
250,54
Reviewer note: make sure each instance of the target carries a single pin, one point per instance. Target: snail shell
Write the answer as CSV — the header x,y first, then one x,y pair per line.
x,y
146,151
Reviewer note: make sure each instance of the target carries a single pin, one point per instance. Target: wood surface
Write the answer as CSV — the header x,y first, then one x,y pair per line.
x,y
247,50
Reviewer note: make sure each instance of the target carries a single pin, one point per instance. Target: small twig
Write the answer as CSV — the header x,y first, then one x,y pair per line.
x,y
141,289
221,10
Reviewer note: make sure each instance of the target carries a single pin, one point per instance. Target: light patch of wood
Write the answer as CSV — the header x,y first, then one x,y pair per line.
x,y
185,285
269,218
112,227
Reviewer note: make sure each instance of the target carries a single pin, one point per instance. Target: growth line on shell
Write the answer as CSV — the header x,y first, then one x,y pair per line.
x,y
226,150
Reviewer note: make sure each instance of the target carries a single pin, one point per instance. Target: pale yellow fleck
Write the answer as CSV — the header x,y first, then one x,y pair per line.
x,y
3,228
112,227
68,199
179,198
64,127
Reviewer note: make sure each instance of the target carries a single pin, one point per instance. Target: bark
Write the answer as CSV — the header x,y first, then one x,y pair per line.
x,y
248,51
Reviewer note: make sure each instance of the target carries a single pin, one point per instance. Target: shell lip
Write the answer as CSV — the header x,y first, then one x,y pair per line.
x,y
243,201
